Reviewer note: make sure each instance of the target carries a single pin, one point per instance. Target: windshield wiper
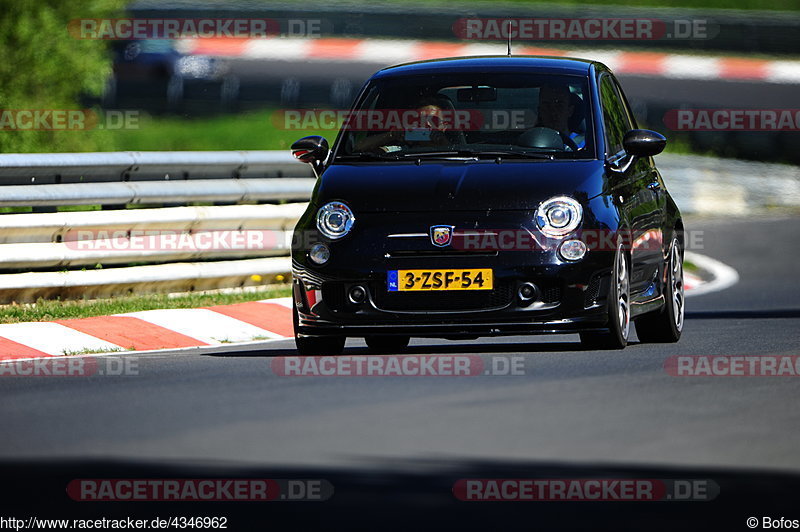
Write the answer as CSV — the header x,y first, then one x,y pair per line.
x,y
518,154
478,154
366,156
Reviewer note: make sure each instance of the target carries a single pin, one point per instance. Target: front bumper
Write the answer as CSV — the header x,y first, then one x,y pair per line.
x,y
570,298
571,295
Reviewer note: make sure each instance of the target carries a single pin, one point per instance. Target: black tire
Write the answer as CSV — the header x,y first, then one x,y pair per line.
x,y
319,345
387,344
619,308
316,345
666,325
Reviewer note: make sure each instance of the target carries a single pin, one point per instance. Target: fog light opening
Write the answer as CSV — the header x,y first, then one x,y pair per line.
x,y
527,293
357,295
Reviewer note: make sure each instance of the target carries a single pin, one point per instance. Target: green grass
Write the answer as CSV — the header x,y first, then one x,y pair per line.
x,y
90,351
246,131
48,310
679,145
65,208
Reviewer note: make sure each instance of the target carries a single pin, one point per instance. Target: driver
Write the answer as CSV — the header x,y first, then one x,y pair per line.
x,y
555,110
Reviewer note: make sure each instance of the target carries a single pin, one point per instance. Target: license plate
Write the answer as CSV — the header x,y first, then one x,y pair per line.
x,y
425,280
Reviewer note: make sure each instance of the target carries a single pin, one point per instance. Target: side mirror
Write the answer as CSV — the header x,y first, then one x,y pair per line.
x,y
643,142
312,150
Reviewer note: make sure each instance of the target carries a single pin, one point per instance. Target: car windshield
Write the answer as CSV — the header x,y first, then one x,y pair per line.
x,y
473,114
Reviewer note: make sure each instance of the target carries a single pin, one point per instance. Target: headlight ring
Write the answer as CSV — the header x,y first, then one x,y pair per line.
x,y
559,216
335,220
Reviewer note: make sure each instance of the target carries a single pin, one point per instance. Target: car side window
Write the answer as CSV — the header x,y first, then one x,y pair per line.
x,y
630,121
615,118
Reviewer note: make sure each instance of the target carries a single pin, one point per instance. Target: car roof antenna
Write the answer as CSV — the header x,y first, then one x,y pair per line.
x,y
509,38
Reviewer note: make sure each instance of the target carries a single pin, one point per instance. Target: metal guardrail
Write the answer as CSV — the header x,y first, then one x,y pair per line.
x,y
55,168
92,253
75,239
208,190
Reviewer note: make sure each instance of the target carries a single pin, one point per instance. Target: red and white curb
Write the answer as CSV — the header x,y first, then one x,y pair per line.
x,y
390,52
720,275
691,281
149,330
152,330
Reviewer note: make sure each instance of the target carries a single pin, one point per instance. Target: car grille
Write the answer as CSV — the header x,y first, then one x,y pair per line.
x,y
443,301
551,294
593,291
333,295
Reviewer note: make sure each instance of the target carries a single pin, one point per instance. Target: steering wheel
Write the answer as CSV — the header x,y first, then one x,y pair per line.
x,y
546,138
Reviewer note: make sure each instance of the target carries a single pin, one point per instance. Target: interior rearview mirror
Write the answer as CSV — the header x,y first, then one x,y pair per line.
x,y
477,94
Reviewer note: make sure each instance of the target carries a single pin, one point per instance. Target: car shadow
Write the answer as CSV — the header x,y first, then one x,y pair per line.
x,y
462,348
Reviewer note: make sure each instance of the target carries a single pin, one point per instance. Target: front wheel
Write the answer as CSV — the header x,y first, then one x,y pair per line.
x,y
666,325
316,345
619,309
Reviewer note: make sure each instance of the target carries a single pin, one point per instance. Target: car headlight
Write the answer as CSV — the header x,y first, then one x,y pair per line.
x,y
335,219
559,216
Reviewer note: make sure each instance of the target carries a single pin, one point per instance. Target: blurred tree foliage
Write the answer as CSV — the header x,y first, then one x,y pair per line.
x,y
44,67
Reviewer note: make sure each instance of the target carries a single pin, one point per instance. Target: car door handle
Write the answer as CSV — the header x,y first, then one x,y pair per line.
x,y
655,185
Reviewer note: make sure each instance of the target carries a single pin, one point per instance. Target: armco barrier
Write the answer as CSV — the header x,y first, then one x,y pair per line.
x,y
40,256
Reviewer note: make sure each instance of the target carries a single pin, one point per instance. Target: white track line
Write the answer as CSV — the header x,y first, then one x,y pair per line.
x,y
287,302
723,275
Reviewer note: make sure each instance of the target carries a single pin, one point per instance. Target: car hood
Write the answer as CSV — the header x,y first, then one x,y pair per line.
x,y
457,186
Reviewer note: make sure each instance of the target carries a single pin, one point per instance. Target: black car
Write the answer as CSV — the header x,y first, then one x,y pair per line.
x,y
487,196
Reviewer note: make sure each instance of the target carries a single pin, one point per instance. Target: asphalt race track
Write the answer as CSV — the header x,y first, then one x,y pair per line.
x,y
262,80
400,442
